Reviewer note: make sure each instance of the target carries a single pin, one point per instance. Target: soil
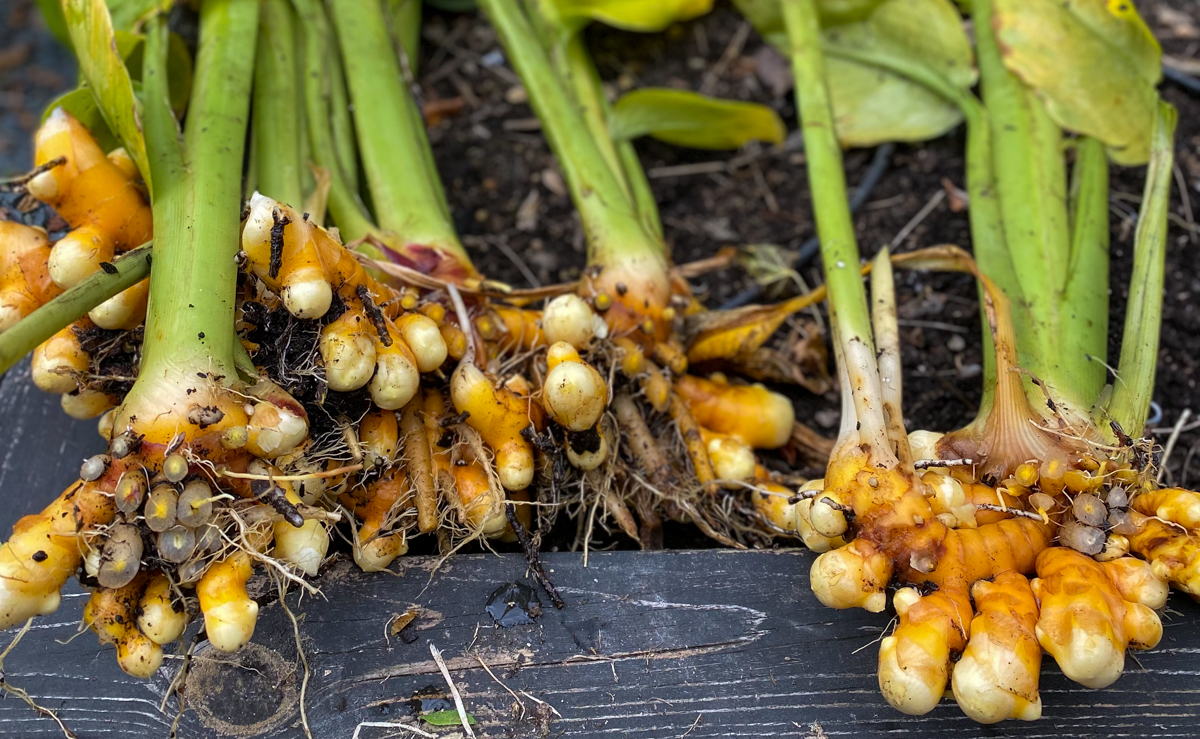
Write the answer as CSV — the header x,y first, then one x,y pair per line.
x,y
493,159
508,197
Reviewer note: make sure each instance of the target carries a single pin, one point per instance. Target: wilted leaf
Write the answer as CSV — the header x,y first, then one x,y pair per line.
x,y
445,718
1093,62
81,104
690,119
631,15
102,67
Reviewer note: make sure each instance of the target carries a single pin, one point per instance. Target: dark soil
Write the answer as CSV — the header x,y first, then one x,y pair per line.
x,y
493,159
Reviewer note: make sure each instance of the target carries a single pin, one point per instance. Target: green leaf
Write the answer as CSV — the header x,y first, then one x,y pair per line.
x,y
53,15
179,66
689,119
445,718
81,104
647,16
872,103
871,106
767,15
129,14
1094,63
102,67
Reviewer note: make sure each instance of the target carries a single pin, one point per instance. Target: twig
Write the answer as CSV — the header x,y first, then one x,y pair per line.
x,y
1186,198
537,700
18,182
1174,437
1010,511
280,583
921,215
732,51
693,726
389,725
516,697
20,693
291,478
531,556
518,262
458,701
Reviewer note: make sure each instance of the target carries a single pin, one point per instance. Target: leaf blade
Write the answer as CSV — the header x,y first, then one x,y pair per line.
x,y
631,15
102,67
1094,63
697,121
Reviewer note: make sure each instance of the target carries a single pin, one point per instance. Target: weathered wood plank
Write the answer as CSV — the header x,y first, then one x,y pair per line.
x,y
707,644
40,447
647,644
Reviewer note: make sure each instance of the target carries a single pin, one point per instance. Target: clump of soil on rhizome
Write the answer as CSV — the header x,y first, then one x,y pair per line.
x,y
498,171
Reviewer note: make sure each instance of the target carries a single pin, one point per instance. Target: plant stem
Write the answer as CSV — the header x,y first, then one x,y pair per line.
x,y
1031,182
615,233
276,102
322,79
404,20
406,191
987,223
839,252
196,208
1085,296
1143,317
568,49
623,159
132,267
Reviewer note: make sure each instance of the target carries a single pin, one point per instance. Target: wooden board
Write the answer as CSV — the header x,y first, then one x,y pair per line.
x,y
672,644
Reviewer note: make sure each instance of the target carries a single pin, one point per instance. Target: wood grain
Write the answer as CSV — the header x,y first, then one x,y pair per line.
x,y
651,645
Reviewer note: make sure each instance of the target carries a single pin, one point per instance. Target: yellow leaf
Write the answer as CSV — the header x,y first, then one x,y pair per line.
x,y
101,66
694,120
1094,63
631,15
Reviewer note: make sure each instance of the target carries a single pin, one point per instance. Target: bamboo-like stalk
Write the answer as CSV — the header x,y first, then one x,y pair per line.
x,y
1143,314
131,268
848,310
197,191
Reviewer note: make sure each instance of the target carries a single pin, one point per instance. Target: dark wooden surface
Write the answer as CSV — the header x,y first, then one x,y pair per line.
x,y
696,644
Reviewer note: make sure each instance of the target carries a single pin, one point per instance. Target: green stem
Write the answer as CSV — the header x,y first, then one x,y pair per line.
x,y
987,223
1085,296
276,101
839,251
585,81
404,20
1143,317
1031,181
321,104
621,155
614,231
406,191
190,321
132,267
337,106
